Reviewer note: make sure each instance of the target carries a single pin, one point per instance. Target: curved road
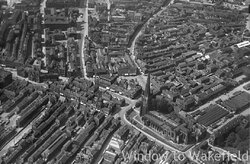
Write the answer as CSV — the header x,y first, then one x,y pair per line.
x,y
122,115
141,78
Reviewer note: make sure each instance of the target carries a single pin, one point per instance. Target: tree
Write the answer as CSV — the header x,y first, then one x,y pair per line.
x,y
231,139
123,102
237,141
243,134
138,104
243,146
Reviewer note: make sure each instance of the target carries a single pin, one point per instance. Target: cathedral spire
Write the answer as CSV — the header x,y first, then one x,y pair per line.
x,y
147,87
146,98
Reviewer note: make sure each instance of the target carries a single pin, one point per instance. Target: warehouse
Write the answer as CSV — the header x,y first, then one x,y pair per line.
x,y
212,114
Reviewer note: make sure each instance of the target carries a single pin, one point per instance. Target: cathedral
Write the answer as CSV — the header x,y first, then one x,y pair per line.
x,y
160,123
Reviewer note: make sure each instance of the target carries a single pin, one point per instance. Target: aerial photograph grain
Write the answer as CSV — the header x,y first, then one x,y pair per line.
x,y
124,81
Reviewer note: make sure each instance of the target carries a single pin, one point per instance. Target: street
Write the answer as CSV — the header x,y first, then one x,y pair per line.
x,y
84,32
142,77
15,76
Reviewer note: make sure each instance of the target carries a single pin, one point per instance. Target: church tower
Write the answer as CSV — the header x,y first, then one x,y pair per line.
x,y
146,98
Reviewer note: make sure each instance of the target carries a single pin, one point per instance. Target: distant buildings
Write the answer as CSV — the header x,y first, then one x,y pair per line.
x,y
54,20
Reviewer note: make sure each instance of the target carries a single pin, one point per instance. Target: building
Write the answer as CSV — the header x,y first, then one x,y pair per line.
x,y
56,20
109,156
107,80
167,128
172,127
211,114
127,70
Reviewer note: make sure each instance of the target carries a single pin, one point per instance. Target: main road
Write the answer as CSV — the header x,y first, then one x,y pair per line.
x,y
84,34
122,115
141,78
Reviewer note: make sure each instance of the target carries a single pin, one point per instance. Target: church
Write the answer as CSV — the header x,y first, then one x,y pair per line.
x,y
163,125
